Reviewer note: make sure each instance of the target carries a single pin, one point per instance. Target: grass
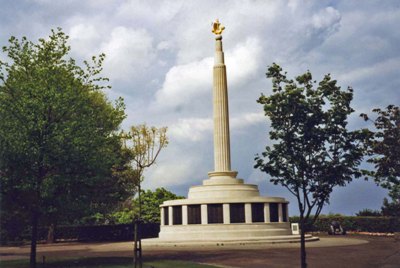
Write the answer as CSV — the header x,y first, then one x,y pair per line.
x,y
102,262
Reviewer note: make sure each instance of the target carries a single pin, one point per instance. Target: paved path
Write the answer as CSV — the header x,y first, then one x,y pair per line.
x,y
338,251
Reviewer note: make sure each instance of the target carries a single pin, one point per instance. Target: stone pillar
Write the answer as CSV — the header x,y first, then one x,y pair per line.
x,y
280,212
184,215
247,213
222,154
267,217
162,216
204,214
170,217
227,213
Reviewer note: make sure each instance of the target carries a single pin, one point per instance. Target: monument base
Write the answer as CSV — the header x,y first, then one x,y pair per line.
x,y
219,212
222,232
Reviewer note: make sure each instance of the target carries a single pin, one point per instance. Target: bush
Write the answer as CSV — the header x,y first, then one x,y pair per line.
x,y
369,213
353,223
119,232
91,233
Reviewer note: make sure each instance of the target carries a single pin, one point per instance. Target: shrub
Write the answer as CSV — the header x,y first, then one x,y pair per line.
x,y
355,223
369,212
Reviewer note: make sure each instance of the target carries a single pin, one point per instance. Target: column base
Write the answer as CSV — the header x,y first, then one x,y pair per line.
x,y
222,177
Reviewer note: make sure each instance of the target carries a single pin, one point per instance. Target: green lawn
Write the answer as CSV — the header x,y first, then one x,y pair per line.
x,y
102,262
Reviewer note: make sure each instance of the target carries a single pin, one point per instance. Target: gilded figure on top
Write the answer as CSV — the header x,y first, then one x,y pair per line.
x,y
217,27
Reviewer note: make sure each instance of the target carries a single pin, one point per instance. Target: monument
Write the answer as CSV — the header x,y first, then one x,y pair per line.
x,y
224,208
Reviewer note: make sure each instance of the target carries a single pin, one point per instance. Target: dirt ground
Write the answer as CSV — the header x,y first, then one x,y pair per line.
x,y
339,251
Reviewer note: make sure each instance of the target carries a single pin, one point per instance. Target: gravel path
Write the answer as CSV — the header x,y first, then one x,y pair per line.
x,y
338,251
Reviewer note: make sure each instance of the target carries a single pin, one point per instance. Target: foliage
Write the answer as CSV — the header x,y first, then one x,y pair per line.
x,y
313,150
354,223
146,144
151,201
57,133
369,212
390,208
384,149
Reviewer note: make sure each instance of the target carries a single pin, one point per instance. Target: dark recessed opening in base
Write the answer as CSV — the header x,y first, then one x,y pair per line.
x,y
166,215
273,212
215,214
257,212
177,215
284,212
237,213
194,214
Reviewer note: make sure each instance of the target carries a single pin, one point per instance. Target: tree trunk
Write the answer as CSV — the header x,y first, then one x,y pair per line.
x,y
137,236
35,217
50,234
303,254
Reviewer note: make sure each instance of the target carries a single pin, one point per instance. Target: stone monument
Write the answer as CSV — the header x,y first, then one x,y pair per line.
x,y
224,208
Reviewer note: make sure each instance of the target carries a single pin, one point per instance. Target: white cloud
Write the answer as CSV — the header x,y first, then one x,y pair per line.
x,y
191,129
326,18
129,52
243,61
197,129
384,69
246,120
183,83
169,173
156,11
84,37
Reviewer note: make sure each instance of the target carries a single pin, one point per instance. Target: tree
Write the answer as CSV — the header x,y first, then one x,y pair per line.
x,y
369,213
391,209
57,129
151,201
146,145
313,150
384,150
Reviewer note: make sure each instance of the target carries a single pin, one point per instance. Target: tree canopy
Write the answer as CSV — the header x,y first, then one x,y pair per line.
x,y
151,201
57,131
384,149
312,150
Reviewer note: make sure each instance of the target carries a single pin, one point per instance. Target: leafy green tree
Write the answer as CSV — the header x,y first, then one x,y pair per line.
x,y
390,208
151,201
313,150
57,141
384,150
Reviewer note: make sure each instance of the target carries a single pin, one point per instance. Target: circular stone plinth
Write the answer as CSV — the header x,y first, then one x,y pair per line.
x,y
225,232
231,241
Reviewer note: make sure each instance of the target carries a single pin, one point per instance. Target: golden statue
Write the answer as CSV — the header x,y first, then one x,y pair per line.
x,y
217,27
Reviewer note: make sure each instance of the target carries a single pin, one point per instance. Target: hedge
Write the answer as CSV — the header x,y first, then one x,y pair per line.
x,y
93,233
355,223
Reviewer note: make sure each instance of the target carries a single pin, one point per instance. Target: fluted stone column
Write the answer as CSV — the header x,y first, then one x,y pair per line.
x,y
222,151
222,154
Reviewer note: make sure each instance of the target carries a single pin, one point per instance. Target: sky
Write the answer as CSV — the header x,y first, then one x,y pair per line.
x,y
160,58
